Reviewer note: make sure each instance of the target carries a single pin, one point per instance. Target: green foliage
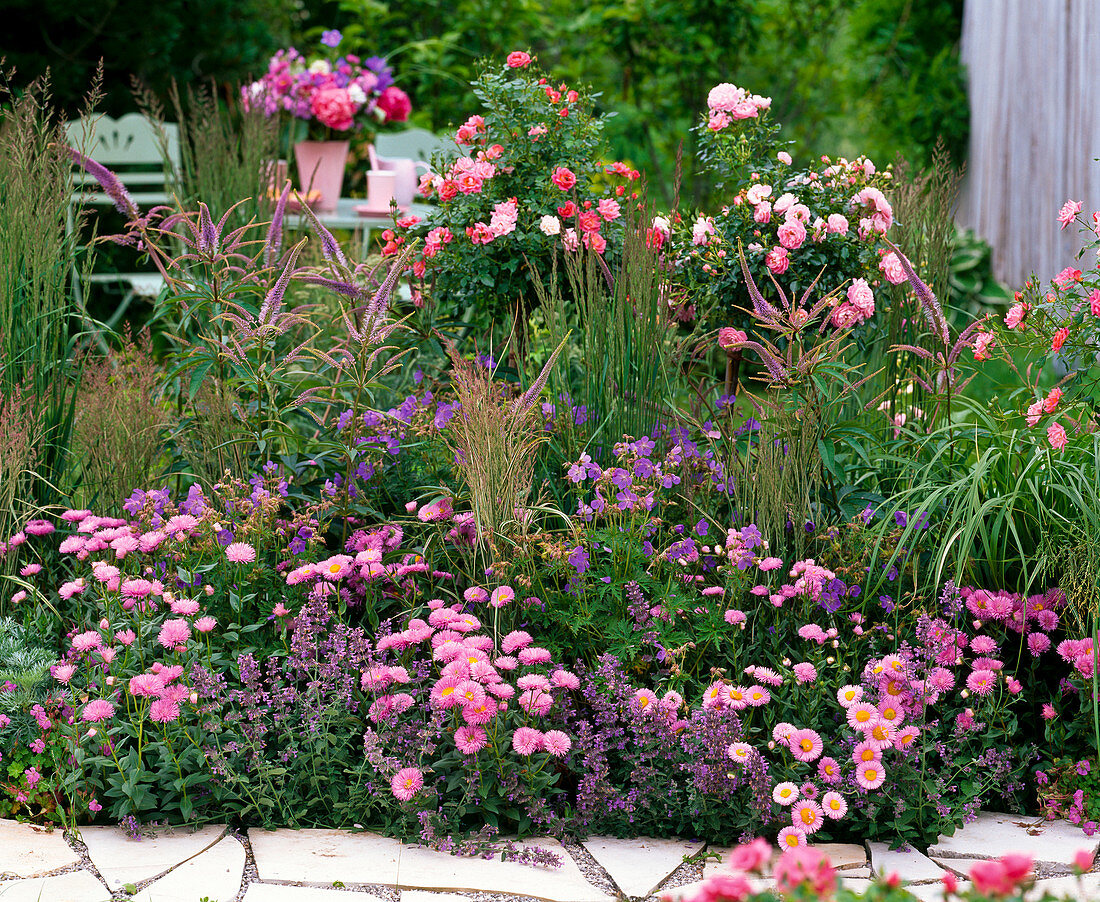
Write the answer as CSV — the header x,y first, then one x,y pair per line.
x,y
177,40
38,318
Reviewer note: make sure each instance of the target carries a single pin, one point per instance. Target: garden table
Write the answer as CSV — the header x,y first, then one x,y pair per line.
x,y
345,217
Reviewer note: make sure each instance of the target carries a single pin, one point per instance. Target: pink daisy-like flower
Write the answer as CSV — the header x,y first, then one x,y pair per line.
x,y
477,715
767,676
125,637
983,645
470,693
97,710
146,685
866,752
536,701
556,743
86,641
205,624
564,679
526,741
829,770
805,672
501,596
735,698
785,793
534,655
833,805
981,682
63,672
870,775
805,745
514,641
185,606
443,693
757,696
862,716
240,553
164,710
891,714
470,739
38,528
741,752
808,790
336,567
714,696
905,738
808,816
791,838
781,731
849,695
174,633
406,783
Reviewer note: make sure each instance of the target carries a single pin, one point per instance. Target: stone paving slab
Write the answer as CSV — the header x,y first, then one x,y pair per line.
x,y
278,892
640,866
994,834
324,856
427,869
843,856
1087,889
76,886
911,866
214,874
123,860
29,851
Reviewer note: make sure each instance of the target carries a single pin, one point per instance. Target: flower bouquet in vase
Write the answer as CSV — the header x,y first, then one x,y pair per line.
x,y
330,99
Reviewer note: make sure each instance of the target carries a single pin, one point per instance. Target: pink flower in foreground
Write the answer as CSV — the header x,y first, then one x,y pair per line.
x,y
805,866
729,338
1001,877
1059,339
406,783
518,59
833,805
752,856
777,260
240,553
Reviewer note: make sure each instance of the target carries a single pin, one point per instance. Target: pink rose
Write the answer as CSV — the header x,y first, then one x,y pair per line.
x,y
763,212
891,268
563,178
784,157
517,59
1094,302
862,297
1069,212
1056,435
731,338
333,108
837,224
395,104
791,234
777,260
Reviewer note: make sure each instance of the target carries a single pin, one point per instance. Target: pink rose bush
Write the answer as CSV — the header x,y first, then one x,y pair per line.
x,y
522,187
333,95
791,222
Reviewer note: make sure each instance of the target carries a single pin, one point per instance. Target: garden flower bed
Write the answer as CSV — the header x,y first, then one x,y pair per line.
x,y
721,541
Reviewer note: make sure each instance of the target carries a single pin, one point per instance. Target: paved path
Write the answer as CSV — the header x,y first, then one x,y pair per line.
x,y
219,865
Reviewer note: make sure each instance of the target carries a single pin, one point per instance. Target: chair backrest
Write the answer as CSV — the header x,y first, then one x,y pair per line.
x,y
131,141
413,144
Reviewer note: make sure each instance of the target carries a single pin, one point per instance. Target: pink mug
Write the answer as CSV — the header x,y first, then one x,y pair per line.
x,y
407,177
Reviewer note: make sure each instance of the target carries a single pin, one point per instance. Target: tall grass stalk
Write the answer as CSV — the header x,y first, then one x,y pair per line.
x,y
628,355
38,317
226,153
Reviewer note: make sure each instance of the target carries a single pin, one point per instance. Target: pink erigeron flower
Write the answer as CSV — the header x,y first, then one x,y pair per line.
x,y
829,771
805,672
791,838
785,793
870,775
808,816
174,633
97,710
164,710
833,805
470,739
806,745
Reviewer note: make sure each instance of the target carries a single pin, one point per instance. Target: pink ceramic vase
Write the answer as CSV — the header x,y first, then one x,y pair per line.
x,y
321,168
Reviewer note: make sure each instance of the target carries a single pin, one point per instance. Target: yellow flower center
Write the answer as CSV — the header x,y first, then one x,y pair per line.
x,y
863,716
808,816
806,745
867,755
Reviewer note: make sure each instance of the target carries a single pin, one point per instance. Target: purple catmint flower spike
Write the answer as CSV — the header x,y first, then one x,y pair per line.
x,y
933,312
108,181
274,243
